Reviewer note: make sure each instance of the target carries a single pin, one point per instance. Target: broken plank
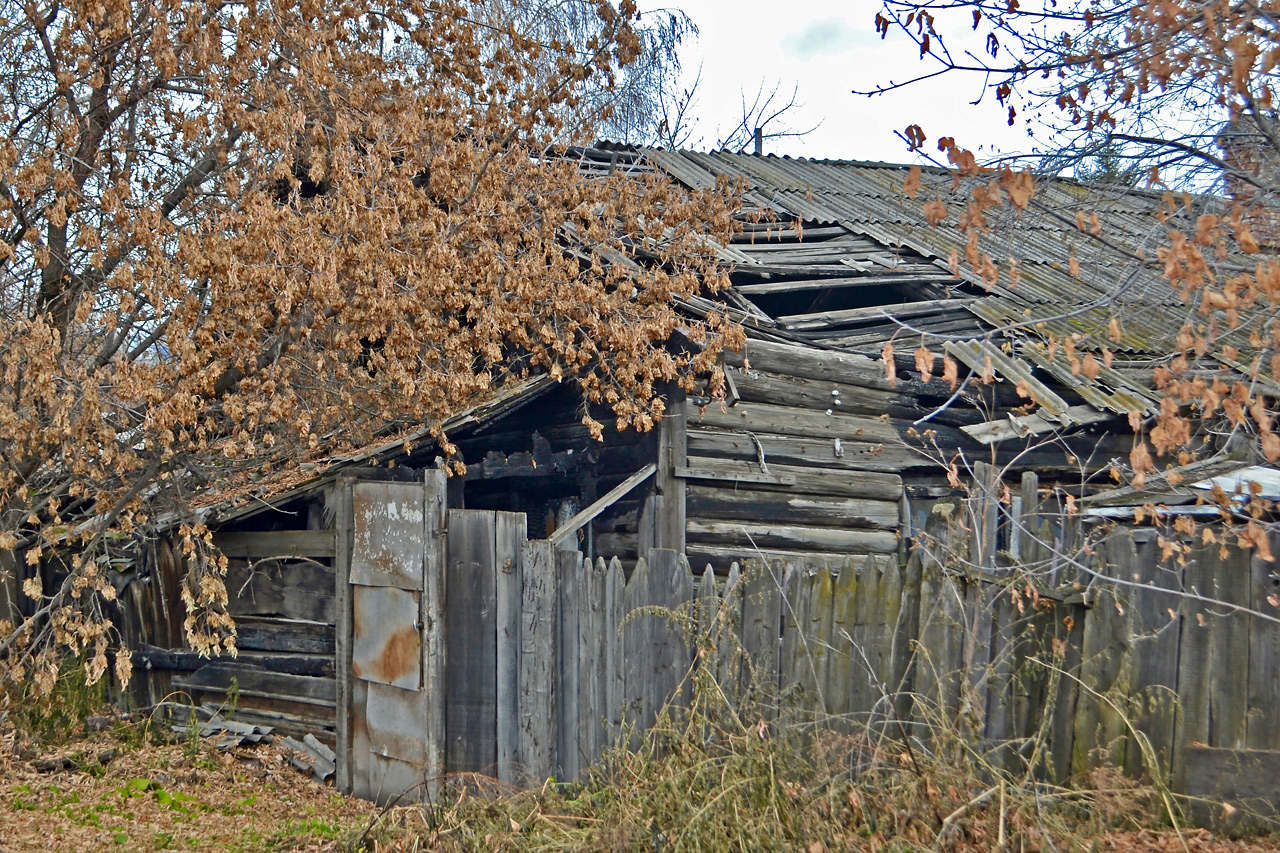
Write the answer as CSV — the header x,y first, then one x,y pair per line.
x,y
767,535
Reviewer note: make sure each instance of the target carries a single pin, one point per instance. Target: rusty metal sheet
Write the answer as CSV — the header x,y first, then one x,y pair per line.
x,y
387,534
387,643
396,721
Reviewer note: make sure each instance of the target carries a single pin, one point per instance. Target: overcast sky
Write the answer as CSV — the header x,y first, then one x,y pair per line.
x,y
827,48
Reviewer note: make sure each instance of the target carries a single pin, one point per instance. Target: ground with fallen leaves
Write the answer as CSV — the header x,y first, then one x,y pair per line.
x,y
118,790
123,789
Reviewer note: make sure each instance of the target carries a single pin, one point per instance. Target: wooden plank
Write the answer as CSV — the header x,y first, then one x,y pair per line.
x,y
790,420
885,486
637,648
185,660
255,681
1100,731
774,287
1194,678
821,642
1264,655
906,634
851,316
614,660
731,504
345,774
471,644
812,363
843,664
779,390
509,539
778,536
1229,647
672,591
258,545
796,664
292,590
539,624
811,452
673,453
266,634
723,556
569,574
1249,780
564,531
762,631
591,661
1153,677
434,639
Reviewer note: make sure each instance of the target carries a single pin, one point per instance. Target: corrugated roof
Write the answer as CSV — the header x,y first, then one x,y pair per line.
x,y
1119,274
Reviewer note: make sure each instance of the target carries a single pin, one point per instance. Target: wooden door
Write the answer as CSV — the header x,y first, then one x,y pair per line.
x,y
391,649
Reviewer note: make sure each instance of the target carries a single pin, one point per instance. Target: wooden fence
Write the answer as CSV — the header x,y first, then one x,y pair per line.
x,y
1134,660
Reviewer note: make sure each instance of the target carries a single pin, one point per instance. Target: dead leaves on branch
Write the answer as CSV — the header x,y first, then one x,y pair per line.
x,y
286,230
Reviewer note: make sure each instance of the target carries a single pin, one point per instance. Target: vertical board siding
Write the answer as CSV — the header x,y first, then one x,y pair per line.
x,y
471,632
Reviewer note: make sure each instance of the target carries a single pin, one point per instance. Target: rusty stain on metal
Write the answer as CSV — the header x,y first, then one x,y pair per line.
x,y
387,643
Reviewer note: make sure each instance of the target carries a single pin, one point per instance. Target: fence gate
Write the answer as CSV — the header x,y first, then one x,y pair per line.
x,y
390,723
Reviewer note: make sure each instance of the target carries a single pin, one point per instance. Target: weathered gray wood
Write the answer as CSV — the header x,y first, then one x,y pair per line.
x,y
673,592
765,535
796,450
255,681
796,665
794,479
790,420
748,505
722,556
471,641
905,637
637,646
727,632
185,660
762,630
293,590
509,539
844,664
267,634
1264,655
614,661
809,363
1229,648
591,662
539,625
1024,541
759,387
821,641
1154,628
1248,780
573,525
345,774
1104,673
869,645
568,753
1194,681
434,648
258,545
673,453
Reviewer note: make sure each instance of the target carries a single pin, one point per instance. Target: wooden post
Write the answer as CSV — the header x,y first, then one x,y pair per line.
x,y
510,536
569,576
539,624
673,454
342,521
434,663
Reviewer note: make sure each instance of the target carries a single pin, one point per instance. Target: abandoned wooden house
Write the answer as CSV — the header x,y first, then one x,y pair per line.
x,y
429,626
